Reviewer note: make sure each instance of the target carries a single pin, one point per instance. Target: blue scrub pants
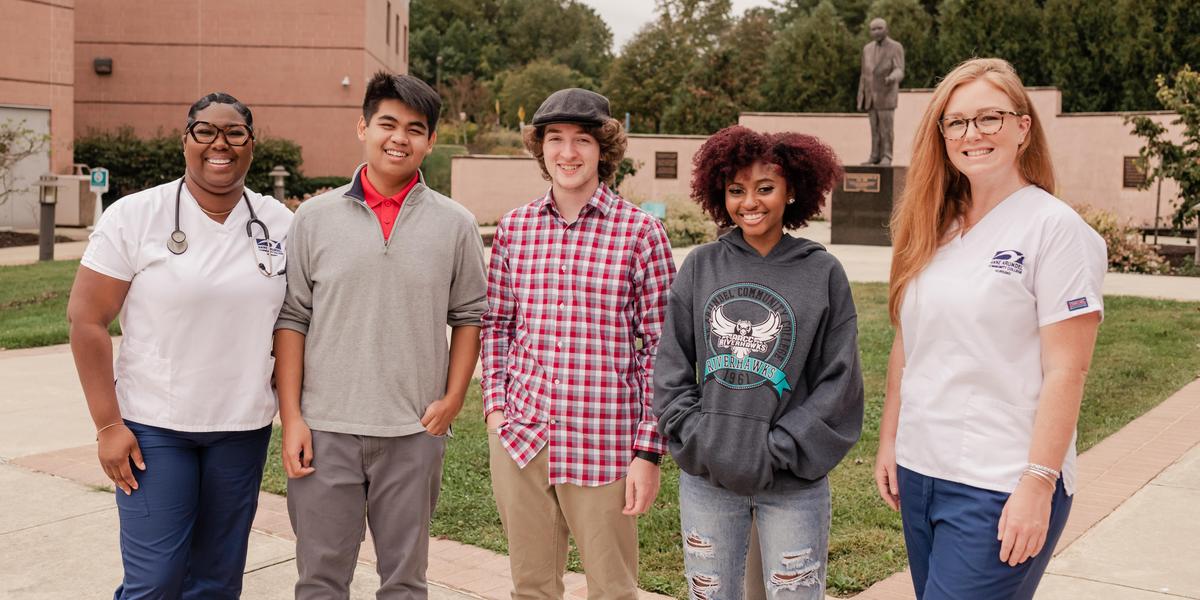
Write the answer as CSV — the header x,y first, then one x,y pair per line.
x,y
185,530
950,533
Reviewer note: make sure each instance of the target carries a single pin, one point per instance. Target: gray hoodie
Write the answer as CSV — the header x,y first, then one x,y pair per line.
x,y
757,383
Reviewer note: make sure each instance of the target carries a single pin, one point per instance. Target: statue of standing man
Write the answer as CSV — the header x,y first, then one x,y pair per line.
x,y
878,87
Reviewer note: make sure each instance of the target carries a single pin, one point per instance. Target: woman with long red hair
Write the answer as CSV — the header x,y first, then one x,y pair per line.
x,y
996,298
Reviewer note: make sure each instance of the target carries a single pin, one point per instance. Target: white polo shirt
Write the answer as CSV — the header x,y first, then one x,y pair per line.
x,y
196,348
972,353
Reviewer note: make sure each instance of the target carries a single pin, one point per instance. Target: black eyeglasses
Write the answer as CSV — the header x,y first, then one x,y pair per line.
x,y
988,122
206,133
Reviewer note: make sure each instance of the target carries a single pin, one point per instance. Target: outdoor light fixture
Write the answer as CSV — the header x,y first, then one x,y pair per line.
x,y
346,81
102,65
47,198
278,174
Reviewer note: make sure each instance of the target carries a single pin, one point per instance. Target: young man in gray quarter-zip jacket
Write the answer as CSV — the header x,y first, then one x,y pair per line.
x,y
367,383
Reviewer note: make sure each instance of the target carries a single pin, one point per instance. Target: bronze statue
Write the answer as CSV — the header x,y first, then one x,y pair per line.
x,y
878,87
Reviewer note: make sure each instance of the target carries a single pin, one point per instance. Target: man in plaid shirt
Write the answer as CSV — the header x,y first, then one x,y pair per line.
x,y
577,293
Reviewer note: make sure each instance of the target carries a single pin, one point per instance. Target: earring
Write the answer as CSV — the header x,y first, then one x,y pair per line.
x,y
791,200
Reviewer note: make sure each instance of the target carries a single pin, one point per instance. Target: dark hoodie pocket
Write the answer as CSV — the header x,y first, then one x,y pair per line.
x,y
729,450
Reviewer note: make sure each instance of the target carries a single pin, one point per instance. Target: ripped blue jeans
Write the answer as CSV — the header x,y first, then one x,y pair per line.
x,y
793,530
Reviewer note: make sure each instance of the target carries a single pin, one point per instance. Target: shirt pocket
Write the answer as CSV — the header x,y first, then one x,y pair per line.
x,y
143,379
996,439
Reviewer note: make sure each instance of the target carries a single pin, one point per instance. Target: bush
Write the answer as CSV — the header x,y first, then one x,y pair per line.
x,y
1127,253
686,224
498,141
135,164
436,167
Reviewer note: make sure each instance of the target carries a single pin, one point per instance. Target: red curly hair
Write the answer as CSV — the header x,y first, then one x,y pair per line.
x,y
809,166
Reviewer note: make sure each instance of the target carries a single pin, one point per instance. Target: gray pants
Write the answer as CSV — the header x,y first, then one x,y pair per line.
x,y
388,483
881,135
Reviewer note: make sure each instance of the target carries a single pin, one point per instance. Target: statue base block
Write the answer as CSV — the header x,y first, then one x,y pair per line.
x,y
862,204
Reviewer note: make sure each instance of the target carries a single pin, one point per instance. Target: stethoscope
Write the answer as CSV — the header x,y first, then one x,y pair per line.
x,y
178,243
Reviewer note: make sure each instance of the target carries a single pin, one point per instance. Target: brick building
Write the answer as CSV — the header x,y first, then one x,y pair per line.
x,y
301,65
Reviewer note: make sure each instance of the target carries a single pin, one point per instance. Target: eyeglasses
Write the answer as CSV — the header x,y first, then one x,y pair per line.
x,y
206,133
989,122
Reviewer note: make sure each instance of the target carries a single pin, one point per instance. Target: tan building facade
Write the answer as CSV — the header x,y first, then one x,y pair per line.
x,y
301,66
1091,153
37,86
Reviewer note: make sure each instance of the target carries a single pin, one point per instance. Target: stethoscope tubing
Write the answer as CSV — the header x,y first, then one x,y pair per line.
x,y
177,242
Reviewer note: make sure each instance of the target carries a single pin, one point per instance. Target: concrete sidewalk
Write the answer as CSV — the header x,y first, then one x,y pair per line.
x,y
1132,532
58,529
862,263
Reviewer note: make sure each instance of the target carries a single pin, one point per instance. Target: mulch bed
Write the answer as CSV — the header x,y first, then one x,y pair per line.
x,y
10,239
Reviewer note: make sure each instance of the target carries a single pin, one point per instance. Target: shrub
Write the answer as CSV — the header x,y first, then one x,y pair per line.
x,y
686,224
436,167
1127,253
135,164
498,141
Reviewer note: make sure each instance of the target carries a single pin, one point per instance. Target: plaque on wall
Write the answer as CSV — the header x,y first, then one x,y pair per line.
x,y
1134,173
861,183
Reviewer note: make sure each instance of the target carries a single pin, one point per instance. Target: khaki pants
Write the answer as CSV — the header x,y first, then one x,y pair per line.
x,y
537,518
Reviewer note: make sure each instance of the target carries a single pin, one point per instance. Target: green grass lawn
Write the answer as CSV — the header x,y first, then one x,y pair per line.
x,y
1147,349
33,304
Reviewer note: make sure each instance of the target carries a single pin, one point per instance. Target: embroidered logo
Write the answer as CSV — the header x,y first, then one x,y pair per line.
x,y
1076,304
270,247
1008,262
750,332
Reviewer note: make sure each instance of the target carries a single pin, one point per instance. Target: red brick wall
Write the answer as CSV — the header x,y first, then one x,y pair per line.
x,y
36,61
285,59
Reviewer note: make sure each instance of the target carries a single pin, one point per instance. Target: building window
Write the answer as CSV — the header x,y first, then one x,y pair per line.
x,y
397,34
1134,174
405,45
666,165
388,22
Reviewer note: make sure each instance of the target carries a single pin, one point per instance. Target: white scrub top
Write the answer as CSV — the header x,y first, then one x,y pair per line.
x,y
196,348
972,353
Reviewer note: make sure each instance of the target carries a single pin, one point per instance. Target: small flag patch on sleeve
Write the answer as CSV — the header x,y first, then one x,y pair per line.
x,y
1077,304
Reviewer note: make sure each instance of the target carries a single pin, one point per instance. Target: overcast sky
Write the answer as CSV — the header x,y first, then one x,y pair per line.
x,y
625,17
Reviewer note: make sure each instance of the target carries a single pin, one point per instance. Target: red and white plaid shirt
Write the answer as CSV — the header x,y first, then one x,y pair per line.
x,y
566,306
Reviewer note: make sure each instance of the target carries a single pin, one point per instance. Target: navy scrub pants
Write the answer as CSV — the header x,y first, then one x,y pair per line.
x,y
950,533
185,530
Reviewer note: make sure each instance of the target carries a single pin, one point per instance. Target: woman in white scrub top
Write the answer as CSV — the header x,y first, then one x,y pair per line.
x,y
996,297
194,269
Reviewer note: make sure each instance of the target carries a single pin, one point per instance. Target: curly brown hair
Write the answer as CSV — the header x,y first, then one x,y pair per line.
x,y
809,165
610,135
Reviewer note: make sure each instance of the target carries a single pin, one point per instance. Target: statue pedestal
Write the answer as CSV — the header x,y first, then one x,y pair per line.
x,y
862,204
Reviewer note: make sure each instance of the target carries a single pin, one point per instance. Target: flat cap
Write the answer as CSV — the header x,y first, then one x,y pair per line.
x,y
573,105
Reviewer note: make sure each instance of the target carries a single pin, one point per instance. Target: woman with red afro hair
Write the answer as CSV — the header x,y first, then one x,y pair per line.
x,y
757,383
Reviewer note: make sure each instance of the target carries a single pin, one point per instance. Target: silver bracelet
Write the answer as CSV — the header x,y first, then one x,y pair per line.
x,y
1053,474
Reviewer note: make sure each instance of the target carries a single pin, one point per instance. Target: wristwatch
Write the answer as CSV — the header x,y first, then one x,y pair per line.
x,y
653,457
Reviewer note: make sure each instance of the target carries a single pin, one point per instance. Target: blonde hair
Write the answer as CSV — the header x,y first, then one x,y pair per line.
x,y
935,193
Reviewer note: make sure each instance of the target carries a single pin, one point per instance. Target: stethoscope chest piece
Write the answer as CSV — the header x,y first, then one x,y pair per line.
x,y
177,243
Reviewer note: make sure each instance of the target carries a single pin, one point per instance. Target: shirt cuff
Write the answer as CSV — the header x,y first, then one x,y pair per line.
x,y
648,438
493,400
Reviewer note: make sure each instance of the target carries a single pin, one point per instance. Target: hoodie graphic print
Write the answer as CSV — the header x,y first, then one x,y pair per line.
x,y
757,382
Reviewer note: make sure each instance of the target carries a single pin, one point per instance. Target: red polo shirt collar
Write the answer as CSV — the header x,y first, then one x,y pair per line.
x,y
386,208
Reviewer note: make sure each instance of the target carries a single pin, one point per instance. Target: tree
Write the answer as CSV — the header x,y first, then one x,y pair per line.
x,y
643,79
1082,39
725,80
1159,37
813,65
854,12
526,87
17,142
912,26
1171,160
1008,29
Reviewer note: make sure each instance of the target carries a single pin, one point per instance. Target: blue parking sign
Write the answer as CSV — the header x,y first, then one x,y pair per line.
x,y
99,180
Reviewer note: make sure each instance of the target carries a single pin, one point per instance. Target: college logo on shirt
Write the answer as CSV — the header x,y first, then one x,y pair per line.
x,y
1008,262
270,247
750,332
